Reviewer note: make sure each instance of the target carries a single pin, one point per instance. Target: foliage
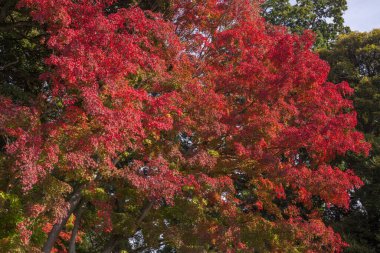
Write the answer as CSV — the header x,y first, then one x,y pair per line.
x,y
191,125
355,57
324,17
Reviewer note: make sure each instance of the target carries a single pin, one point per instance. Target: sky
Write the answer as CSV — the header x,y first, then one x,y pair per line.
x,y
363,15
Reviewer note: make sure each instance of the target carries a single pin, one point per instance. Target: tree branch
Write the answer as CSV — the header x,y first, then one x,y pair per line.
x,y
8,65
115,239
53,234
145,212
75,230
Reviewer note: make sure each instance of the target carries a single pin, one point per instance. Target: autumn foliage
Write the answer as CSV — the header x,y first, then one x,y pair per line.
x,y
203,125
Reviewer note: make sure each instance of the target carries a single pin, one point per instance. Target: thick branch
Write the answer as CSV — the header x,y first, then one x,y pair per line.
x,y
145,212
8,65
53,235
111,244
75,230
115,240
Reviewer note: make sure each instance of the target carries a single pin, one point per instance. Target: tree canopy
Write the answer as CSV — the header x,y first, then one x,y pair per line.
x,y
355,57
191,125
324,17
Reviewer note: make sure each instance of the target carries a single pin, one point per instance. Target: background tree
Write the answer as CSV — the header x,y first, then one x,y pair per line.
x,y
355,57
21,63
21,53
324,17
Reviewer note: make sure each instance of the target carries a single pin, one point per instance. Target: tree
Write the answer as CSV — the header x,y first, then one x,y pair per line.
x,y
189,125
355,57
324,17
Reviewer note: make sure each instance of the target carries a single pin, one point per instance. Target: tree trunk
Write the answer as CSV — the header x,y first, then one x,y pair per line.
x,y
53,234
75,230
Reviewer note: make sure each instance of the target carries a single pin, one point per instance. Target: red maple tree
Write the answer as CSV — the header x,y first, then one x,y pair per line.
x,y
207,113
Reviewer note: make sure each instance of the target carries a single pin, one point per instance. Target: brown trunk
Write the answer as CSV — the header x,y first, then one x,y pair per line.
x,y
57,228
75,230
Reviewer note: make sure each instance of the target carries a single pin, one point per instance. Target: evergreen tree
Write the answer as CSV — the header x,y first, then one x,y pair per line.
x,y
355,57
324,17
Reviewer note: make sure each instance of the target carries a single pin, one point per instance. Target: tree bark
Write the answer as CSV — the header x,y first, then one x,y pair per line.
x,y
114,241
145,212
53,234
111,244
75,230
